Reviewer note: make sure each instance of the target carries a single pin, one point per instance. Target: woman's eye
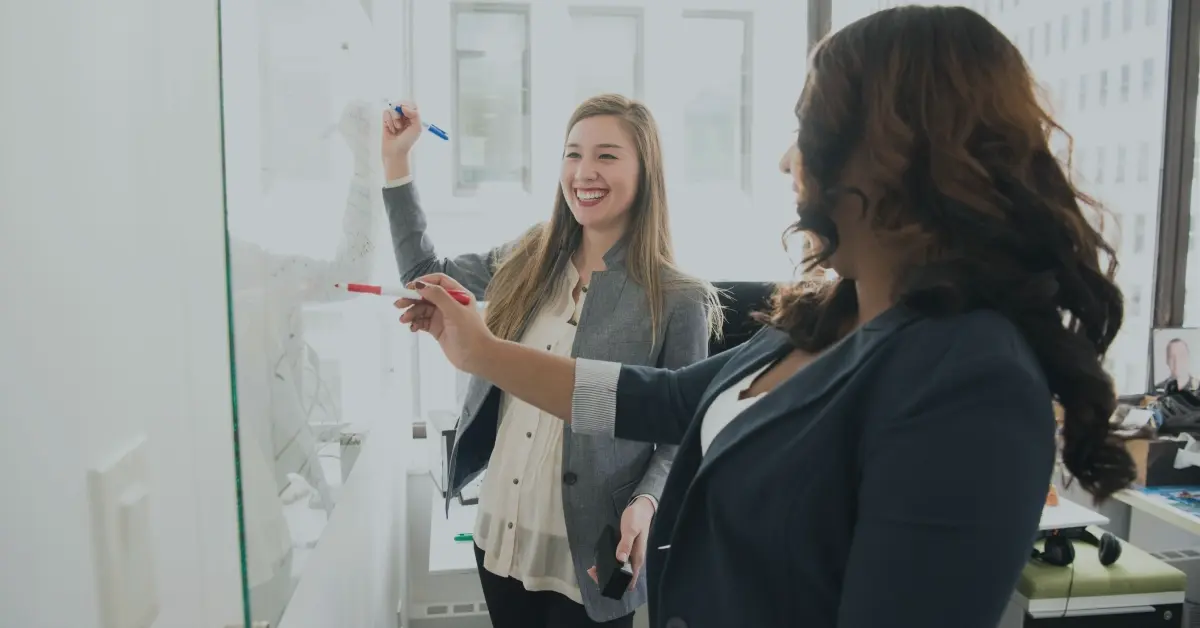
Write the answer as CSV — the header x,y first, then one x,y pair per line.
x,y
607,156
571,156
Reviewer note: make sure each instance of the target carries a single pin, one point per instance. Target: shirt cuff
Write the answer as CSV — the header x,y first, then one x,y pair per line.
x,y
395,183
653,500
594,402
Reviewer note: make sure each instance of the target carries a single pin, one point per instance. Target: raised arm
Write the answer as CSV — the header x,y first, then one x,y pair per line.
x,y
950,498
415,253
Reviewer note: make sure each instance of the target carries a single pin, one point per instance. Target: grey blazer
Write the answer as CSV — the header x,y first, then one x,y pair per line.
x,y
600,473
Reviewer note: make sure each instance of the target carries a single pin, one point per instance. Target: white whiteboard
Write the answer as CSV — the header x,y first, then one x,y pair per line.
x,y
303,89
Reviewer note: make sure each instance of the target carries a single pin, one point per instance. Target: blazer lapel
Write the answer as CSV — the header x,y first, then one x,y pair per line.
x,y
806,386
757,353
604,293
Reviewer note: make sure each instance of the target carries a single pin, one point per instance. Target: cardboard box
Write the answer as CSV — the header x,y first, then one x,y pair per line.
x,y
1155,462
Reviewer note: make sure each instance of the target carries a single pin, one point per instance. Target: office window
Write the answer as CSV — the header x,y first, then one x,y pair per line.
x,y
1062,96
1120,174
1105,19
1143,165
1127,15
491,73
1147,78
1139,233
1080,159
1135,301
1083,90
1191,266
1125,83
716,115
1046,38
1099,165
1066,32
1085,22
606,53
1103,88
1151,12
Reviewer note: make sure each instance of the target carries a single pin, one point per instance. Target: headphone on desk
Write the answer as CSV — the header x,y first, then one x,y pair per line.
x,y
1059,550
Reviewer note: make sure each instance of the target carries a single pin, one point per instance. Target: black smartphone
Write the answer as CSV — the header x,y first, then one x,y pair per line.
x,y
614,576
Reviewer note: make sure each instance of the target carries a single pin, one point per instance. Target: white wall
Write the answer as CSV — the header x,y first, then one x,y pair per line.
x,y
113,322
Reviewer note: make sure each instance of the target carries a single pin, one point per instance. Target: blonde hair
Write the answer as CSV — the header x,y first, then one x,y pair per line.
x,y
518,287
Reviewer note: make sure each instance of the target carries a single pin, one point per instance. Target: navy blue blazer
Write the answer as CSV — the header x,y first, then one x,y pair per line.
x,y
897,480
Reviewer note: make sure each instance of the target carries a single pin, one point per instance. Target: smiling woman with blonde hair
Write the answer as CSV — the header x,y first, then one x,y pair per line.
x,y
597,280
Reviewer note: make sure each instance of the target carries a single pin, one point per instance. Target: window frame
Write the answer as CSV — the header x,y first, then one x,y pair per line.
x,y
746,108
639,54
1179,150
506,8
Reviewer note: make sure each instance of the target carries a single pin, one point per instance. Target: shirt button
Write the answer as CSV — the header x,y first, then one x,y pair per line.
x,y
515,480
569,478
528,434
509,525
549,348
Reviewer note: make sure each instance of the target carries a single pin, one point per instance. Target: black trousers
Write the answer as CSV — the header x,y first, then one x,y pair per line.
x,y
511,606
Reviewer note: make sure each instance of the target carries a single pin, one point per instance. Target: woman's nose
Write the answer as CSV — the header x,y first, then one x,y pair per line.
x,y
585,171
785,162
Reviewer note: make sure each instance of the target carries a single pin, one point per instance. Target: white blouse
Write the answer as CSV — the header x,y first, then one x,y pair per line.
x,y
726,407
521,523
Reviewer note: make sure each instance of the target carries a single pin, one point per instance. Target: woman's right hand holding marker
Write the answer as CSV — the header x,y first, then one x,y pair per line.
x,y
400,134
459,329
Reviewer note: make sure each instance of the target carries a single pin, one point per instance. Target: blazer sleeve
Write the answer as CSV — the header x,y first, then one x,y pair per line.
x,y
950,495
415,254
685,342
654,405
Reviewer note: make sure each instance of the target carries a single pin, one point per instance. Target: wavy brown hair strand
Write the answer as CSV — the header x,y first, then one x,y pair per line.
x,y
947,113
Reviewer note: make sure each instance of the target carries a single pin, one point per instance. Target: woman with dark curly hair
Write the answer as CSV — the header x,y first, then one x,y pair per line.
x,y
879,454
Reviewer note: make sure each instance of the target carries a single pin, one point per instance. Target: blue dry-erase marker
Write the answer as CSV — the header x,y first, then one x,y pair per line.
x,y
432,128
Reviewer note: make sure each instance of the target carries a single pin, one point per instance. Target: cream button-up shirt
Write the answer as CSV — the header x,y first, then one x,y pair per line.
x,y
521,527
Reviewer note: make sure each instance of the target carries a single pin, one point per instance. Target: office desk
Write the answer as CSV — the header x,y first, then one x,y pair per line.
x,y
1068,514
1161,509
445,554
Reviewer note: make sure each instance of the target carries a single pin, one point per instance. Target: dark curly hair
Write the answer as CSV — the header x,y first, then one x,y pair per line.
x,y
958,143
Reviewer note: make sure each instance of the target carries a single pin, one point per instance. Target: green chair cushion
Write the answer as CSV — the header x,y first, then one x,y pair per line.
x,y
1137,572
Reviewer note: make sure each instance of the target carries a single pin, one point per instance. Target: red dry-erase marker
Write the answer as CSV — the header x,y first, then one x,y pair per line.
x,y
404,293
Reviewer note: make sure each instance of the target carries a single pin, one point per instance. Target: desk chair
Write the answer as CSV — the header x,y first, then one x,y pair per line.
x,y
740,299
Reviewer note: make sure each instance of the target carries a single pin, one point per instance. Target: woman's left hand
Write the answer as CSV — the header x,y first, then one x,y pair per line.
x,y
635,533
